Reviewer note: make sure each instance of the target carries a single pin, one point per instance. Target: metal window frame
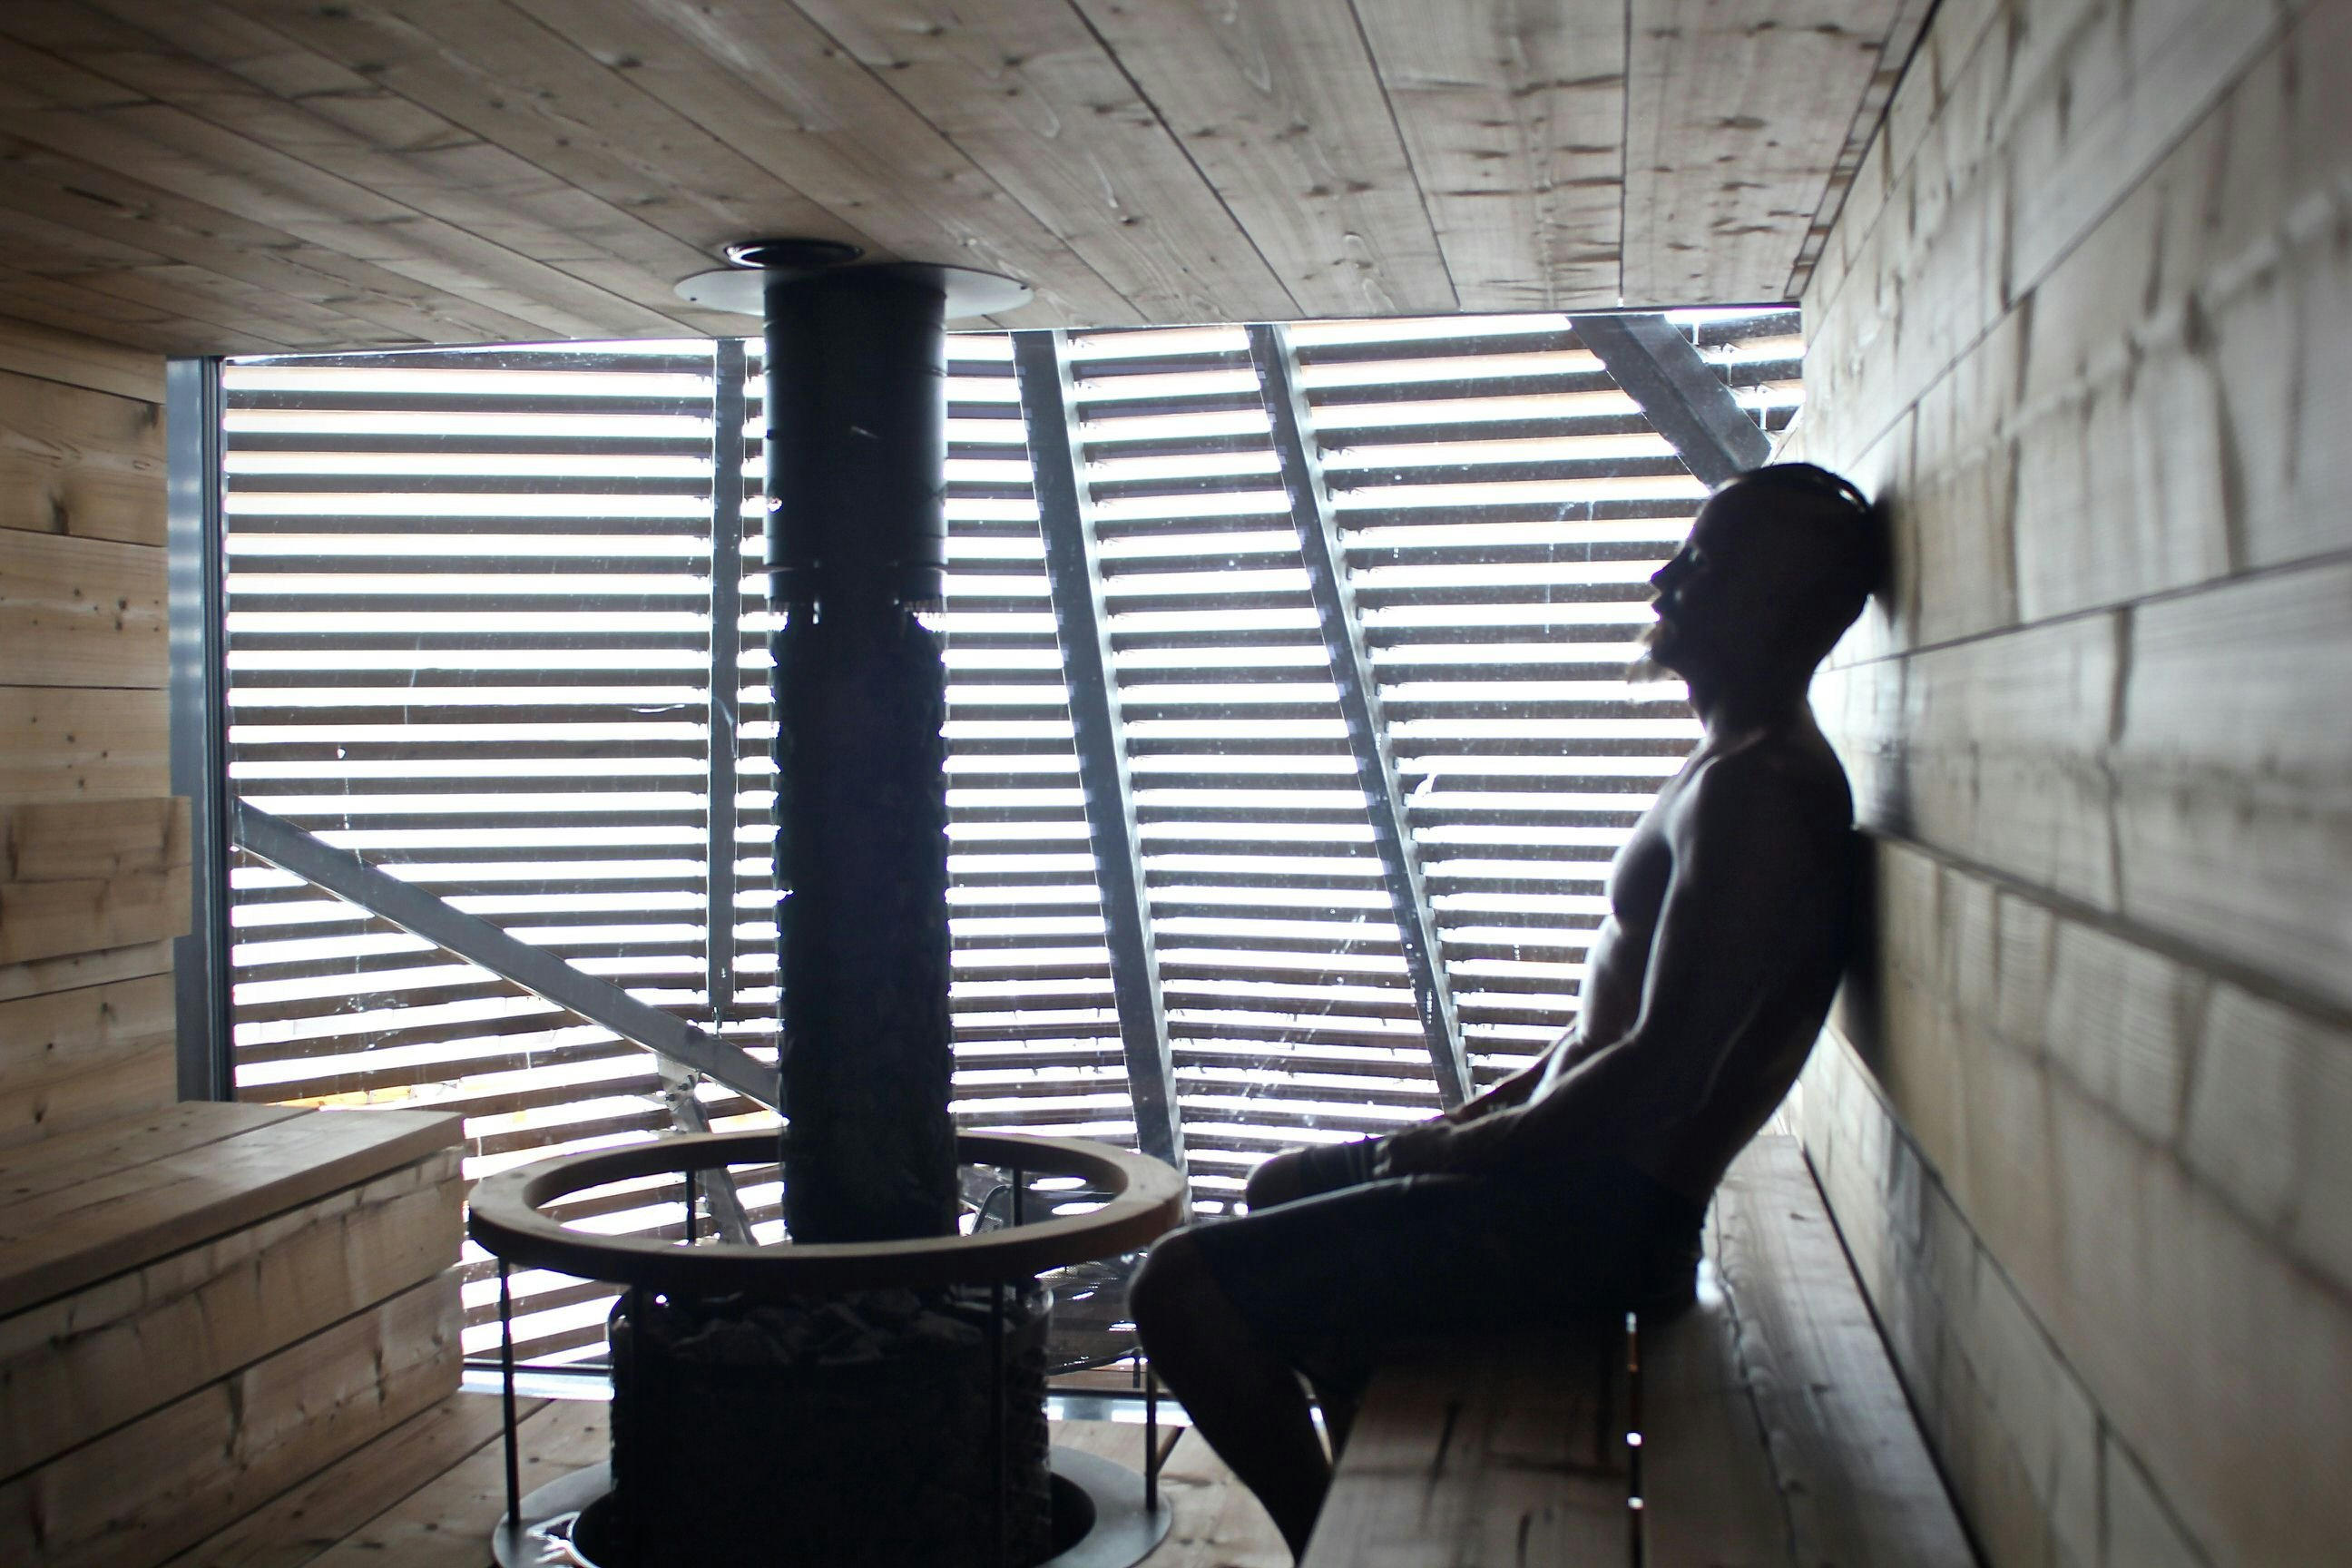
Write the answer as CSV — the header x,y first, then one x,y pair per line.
x,y
196,587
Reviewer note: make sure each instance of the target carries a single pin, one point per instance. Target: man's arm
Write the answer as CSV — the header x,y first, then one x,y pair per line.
x,y
1747,888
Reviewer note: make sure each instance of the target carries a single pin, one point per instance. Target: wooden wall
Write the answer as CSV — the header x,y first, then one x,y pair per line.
x,y
2087,325
93,851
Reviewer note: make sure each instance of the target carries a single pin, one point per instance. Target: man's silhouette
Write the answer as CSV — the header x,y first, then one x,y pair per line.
x,y
1578,1185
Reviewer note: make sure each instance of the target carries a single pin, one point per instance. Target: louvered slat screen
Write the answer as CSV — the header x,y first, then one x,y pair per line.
x,y
471,640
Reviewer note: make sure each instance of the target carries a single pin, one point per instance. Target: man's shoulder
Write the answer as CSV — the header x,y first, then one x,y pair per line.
x,y
1771,776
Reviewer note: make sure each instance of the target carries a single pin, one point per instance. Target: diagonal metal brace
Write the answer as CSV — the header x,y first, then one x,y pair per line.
x,y
476,941
1081,624
1678,391
1324,554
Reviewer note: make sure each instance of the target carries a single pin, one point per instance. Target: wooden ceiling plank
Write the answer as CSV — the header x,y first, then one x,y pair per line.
x,y
1728,152
1512,114
1281,108
77,307
41,247
766,80
237,74
193,294
502,77
1029,94
1893,58
50,100
388,310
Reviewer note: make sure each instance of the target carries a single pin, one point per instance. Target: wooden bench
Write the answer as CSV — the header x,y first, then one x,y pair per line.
x,y
202,1306
1771,1427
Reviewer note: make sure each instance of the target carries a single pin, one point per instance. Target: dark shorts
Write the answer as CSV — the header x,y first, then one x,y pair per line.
x,y
1333,1278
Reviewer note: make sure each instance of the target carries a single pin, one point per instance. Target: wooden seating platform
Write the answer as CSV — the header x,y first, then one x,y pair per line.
x,y
1772,1430
201,1306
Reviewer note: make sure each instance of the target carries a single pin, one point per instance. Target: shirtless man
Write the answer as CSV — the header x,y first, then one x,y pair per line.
x,y
1577,1184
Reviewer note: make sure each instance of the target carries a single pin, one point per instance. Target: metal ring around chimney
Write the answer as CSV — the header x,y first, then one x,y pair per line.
x,y
508,1217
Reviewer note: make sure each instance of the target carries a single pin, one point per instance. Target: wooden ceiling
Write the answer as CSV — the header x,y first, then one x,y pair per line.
x,y
252,175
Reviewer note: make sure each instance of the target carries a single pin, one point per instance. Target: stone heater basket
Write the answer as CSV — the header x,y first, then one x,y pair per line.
x,y
508,1218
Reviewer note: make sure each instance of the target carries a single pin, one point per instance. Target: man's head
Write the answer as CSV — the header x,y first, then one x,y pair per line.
x,y
1780,561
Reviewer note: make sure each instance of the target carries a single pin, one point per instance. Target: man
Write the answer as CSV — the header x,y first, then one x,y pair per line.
x,y
1578,1185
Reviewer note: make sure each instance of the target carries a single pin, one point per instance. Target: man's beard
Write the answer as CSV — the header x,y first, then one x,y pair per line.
x,y
1645,669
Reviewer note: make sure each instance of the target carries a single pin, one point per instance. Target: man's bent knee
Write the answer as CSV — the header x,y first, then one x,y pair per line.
x,y
1171,1272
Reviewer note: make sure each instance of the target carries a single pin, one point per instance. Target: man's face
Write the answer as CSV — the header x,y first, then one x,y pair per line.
x,y
1727,598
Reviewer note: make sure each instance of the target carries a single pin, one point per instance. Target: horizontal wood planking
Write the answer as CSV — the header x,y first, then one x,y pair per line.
x,y
75,969
80,875
83,1365
64,1239
2161,763
2018,1436
2147,1150
2150,410
295,1528
80,462
148,1489
70,1059
1511,1451
64,841
1789,1351
1724,144
81,612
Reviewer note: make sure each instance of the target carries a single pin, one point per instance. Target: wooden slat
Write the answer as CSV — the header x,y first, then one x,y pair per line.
x,y
63,743
64,1163
1509,1452
29,348
1514,117
293,1530
84,1363
1852,1479
66,841
79,462
62,1241
73,971
78,877
150,1488
1281,108
1723,134
448,1524
81,612
70,1059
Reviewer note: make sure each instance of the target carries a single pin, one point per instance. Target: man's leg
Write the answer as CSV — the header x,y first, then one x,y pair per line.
x,y
1242,1395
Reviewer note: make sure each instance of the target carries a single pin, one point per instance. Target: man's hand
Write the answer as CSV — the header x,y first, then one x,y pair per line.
x,y
1275,1181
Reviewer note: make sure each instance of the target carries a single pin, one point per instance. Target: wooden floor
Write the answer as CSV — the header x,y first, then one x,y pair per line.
x,y
426,1494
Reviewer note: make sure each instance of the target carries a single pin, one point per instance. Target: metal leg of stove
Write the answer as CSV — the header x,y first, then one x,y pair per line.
x,y
1019,1180
996,1425
689,1208
506,1372
1150,1440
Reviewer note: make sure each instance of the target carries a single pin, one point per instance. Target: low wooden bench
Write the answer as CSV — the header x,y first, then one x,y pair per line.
x,y
1762,1427
202,1306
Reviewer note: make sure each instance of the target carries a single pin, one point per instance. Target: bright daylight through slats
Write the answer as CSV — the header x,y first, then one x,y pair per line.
x,y
471,640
